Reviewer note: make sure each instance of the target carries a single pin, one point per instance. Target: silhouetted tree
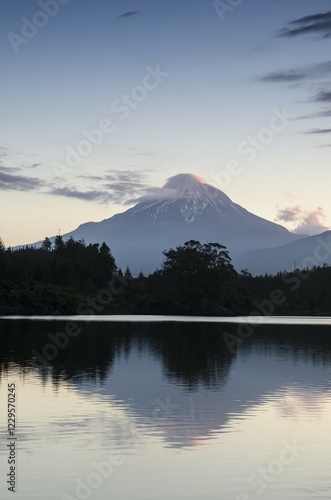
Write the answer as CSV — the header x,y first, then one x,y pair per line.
x,y
47,244
58,242
127,273
195,279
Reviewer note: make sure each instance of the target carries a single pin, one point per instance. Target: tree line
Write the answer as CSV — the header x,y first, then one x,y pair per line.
x,y
194,279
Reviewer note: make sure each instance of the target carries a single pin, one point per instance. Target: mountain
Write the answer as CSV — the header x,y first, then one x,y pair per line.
x,y
307,252
186,208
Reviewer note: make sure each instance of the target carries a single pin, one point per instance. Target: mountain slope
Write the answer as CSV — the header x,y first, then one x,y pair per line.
x,y
307,252
186,208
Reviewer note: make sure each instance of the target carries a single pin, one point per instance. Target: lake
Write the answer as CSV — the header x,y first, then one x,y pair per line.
x,y
156,408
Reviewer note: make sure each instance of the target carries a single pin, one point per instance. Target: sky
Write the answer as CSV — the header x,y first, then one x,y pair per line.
x,y
103,100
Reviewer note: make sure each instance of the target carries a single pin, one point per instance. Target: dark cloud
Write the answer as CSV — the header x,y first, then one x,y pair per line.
x,y
93,195
124,187
304,222
124,184
289,214
16,156
10,170
129,13
316,24
33,165
317,131
114,186
306,72
324,113
286,76
9,181
312,18
126,176
323,96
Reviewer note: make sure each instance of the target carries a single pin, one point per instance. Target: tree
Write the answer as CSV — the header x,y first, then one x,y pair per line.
x,y
58,242
196,279
127,273
46,245
104,249
194,258
2,258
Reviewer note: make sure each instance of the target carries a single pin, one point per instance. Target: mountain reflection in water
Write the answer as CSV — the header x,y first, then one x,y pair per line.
x,y
173,388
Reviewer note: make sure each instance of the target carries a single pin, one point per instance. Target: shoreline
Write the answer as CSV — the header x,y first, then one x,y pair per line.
x,y
253,320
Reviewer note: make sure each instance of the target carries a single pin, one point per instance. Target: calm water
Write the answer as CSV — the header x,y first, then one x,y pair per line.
x,y
167,410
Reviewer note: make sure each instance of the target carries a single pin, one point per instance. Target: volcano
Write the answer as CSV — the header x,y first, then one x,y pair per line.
x,y
186,208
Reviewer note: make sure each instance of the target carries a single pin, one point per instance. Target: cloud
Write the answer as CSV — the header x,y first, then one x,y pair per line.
x,y
285,76
313,222
15,156
90,177
323,113
323,96
316,24
306,73
8,181
153,194
289,214
114,186
124,184
33,165
93,195
10,170
317,131
124,187
129,13
125,175
311,71
303,221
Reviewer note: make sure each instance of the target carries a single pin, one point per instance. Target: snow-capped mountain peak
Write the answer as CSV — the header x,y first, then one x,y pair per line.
x,y
185,183
184,196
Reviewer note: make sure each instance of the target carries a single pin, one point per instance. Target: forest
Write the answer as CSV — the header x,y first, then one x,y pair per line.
x,y
72,277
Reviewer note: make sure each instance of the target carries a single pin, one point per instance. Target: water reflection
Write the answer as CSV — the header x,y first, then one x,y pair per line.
x,y
170,391
191,354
